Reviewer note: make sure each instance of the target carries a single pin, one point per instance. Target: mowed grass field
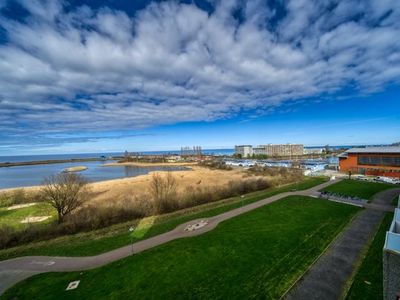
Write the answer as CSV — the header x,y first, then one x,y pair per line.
x,y
14,217
357,188
368,282
259,254
99,241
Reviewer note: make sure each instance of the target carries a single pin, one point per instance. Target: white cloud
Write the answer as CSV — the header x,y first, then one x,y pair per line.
x,y
174,62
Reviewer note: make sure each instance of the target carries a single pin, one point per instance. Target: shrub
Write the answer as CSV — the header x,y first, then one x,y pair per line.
x,y
18,196
93,217
163,192
193,196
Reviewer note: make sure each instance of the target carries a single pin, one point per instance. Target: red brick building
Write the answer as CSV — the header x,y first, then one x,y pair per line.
x,y
378,161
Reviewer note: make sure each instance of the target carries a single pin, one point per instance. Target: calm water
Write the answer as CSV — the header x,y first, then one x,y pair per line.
x,y
24,158
33,175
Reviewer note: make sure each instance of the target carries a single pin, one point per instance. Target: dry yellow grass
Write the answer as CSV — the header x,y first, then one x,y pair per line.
x,y
138,186
112,191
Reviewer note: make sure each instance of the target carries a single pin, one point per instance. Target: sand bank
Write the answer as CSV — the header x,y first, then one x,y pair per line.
x,y
75,169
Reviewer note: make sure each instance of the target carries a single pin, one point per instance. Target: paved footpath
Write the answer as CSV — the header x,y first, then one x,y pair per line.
x,y
327,278
18,269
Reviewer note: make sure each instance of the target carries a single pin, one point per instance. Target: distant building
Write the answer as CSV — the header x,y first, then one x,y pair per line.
x,y
378,161
313,151
270,150
244,150
391,260
280,150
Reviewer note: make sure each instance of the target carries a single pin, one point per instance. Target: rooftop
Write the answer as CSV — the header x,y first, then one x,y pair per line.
x,y
388,149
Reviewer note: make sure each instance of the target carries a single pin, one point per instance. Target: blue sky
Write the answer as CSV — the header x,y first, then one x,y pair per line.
x,y
157,75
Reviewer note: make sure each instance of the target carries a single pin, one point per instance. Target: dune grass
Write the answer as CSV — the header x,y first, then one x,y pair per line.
x,y
356,188
99,241
256,255
368,282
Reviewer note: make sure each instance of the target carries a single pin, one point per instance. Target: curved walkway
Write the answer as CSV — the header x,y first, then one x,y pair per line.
x,y
18,269
328,277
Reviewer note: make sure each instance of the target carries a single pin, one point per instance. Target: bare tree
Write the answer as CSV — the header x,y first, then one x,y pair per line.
x,y
163,190
65,192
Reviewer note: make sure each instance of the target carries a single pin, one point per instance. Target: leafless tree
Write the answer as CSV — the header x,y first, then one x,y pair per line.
x,y
163,191
65,192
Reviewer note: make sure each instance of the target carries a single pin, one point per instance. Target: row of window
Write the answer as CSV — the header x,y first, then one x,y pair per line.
x,y
390,161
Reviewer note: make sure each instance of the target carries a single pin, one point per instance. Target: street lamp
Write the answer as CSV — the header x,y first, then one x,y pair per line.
x,y
131,229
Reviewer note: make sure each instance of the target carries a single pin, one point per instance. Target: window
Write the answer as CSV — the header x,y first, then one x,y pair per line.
x,y
391,161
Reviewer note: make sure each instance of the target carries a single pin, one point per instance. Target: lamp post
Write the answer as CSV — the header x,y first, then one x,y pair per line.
x,y
131,229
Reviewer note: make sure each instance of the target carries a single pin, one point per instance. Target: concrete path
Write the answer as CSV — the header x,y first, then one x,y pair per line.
x,y
18,269
327,278
387,207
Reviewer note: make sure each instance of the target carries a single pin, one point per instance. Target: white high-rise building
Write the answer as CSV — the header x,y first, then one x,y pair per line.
x,y
244,150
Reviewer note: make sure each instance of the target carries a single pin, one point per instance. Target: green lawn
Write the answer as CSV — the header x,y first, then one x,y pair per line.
x,y
368,282
99,241
395,200
256,255
14,217
357,188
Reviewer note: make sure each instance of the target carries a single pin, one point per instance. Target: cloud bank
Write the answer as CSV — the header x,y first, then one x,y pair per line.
x,y
66,68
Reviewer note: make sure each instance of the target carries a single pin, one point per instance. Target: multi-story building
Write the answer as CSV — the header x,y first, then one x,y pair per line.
x,y
378,161
280,150
313,151
271,150
244,150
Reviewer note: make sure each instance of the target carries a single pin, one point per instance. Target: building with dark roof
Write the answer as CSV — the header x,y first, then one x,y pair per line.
x,y
378,161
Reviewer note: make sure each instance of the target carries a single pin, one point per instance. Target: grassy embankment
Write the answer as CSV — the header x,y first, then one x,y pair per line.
x,y
256,255
99,241
356,188
14,217
368,282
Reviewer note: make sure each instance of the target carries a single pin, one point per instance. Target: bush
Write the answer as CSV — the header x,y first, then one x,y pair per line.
x,y
163,192
18,196
193,196
93,217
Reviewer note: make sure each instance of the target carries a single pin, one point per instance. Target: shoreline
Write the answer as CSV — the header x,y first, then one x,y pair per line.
x,y
99,184
149,164
52,161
